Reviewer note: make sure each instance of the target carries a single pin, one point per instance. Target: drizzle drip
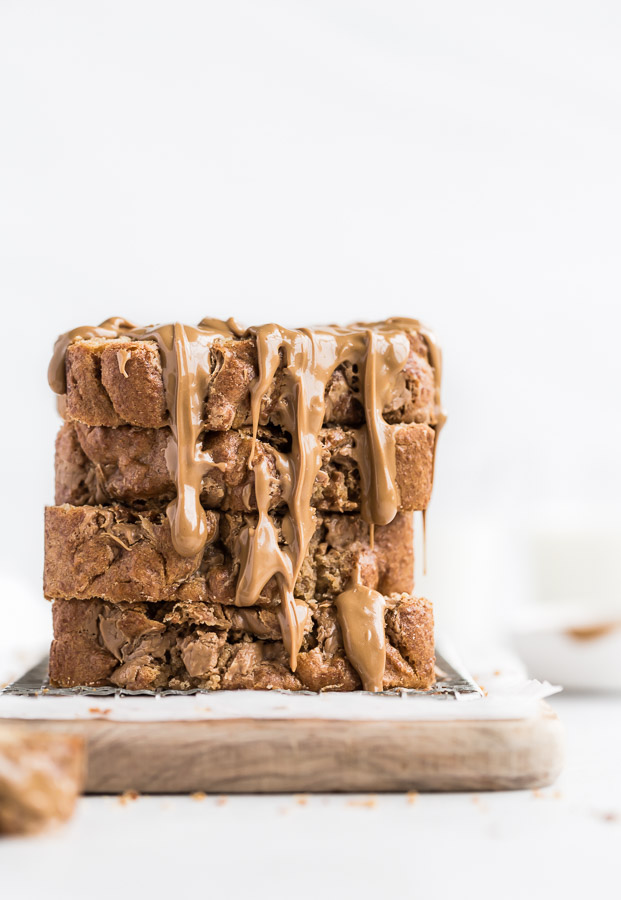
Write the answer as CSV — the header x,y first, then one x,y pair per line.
x,y
375,446
123,357
186,355
303,360
360,612
307,360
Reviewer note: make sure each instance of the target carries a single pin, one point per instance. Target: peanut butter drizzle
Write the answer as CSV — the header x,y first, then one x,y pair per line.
x,y
186,355
123,357
360,611
375,444
305,360
186,370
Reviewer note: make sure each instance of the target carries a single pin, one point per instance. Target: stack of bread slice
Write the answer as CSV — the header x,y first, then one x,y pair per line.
x,y
234,508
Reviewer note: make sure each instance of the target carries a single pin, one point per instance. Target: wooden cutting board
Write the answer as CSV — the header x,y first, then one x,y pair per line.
x,y
314,755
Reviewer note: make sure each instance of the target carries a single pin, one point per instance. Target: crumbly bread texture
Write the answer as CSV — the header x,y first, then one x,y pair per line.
x,y
125,555
181,646
41,775
98,465
103,391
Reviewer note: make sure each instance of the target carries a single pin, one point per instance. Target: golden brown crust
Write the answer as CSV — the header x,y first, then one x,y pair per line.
x,y
409,630
123,555
87,398
151,646
144,401
105,390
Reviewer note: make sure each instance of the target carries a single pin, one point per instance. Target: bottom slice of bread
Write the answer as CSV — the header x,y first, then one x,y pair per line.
x,y
204,645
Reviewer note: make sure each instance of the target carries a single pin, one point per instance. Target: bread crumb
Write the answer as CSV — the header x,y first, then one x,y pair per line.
x,y
222,800
610,816
537,793
127,796
411,796
198,795
368,804
96,710
302,799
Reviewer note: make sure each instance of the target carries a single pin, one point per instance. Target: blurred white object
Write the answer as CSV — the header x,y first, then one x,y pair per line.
x,y
469,568
579,565
571,632
575,653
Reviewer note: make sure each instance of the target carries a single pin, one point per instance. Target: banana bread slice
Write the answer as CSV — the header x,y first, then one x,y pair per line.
x,y
98,465
115,382
123,554
209,646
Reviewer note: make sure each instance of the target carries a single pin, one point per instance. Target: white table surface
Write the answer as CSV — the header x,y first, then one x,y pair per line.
x,y
563,841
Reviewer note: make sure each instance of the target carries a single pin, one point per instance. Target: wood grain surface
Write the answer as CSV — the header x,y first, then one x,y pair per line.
x,y
311,755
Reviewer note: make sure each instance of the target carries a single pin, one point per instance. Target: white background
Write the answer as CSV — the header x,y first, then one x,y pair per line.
x,y
325,161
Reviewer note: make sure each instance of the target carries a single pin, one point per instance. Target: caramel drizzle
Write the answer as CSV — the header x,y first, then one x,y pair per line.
x,y
305,360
